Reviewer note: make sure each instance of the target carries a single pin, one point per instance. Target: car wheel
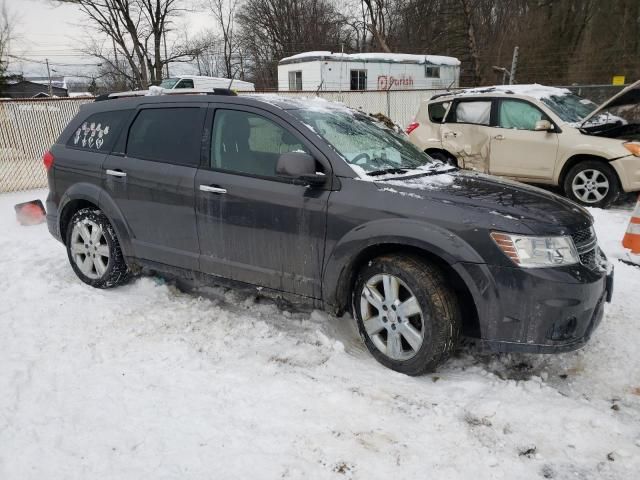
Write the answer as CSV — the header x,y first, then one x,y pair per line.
x,y
407,314
444,158
592,183
94,251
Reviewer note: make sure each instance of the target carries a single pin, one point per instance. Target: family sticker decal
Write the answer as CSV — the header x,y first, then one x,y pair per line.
x,y
91,135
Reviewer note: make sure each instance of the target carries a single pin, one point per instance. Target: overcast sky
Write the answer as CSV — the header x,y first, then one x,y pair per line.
x,y
55,32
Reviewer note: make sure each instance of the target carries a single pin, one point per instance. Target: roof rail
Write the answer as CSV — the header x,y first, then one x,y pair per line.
x,y
161,92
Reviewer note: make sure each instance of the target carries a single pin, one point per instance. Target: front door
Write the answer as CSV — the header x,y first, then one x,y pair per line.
x,y
517,150
152,182
254,226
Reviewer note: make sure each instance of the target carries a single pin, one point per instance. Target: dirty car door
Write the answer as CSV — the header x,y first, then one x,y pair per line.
x,y
254,226
151,180
465,133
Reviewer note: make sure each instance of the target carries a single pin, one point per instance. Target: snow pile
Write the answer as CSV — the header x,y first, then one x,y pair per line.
x,y
146,381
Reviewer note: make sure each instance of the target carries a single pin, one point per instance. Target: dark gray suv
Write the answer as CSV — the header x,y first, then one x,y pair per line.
x,y
317,203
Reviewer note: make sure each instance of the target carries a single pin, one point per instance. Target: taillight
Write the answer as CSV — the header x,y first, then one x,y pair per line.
x,y
47,159
412,126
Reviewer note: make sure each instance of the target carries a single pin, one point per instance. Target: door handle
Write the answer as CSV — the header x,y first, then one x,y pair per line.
x,y
116,173
499,137
450,134
212,189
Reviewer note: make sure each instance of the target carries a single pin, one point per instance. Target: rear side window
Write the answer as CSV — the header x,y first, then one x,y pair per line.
x,y
170,135
437,111
99,131
477,112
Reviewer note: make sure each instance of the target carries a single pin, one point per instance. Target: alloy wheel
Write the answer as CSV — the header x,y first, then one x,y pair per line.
x,y
392,316
89,249
590,186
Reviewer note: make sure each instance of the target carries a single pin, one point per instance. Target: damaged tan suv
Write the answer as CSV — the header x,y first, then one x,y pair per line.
x,y
538,134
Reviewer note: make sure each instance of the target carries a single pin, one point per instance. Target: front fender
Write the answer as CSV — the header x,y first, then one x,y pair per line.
x,y
345,254
98,196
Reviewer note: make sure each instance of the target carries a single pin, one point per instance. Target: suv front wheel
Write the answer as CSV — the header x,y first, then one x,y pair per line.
x,y
407,314
94,251
592,183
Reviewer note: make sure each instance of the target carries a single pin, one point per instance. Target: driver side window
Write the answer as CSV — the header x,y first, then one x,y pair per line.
x,y
244,142
519,115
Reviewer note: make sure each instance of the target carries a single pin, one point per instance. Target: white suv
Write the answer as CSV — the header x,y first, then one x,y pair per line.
x,y
538,134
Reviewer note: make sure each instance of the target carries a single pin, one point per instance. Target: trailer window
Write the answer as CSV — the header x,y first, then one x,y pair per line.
x,y
358,79
295,80
431,72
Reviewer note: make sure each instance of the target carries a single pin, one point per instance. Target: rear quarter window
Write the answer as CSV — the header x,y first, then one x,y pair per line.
x,y
437,111
99,131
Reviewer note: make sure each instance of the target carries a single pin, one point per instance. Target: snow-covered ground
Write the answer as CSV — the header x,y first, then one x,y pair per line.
x,y
144,381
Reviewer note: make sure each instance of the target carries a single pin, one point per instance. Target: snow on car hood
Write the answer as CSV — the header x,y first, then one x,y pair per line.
x,y
513,201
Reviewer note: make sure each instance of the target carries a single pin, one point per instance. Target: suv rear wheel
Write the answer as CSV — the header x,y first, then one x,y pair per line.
x,y
407,315
94,251
592,183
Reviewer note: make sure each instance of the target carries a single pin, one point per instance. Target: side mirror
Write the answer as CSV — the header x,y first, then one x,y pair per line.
x,y
301,166
543,126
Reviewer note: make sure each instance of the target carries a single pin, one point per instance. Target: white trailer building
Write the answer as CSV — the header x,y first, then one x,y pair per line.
x,y
366,71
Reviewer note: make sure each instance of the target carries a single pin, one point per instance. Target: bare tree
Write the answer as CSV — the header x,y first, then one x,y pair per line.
x,y
137,30
377,19
224,12
6,34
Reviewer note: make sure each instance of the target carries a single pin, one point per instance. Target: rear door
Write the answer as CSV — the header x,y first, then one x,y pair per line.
x,y
151,178
517,149
254,226
466,132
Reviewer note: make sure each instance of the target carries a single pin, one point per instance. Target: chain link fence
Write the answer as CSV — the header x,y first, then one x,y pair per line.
x,y
29,127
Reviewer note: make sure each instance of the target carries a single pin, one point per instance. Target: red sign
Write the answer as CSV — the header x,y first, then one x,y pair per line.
x,y
388,82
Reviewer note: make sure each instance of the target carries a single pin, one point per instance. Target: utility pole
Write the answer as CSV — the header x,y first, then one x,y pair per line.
x,y
514,65
49,76
164,38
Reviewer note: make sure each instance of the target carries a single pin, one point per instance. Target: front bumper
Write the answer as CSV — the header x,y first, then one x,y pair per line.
x,y
544,310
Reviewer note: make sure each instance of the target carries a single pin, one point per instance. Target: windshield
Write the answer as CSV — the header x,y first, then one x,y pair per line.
x,y
368,146
169,83
569,107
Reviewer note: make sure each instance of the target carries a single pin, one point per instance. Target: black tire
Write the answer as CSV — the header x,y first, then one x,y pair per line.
x,y
587,167
116,271
443,157
440,311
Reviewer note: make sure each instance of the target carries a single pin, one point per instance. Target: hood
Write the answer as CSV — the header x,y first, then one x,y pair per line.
x,y
491,201
627,96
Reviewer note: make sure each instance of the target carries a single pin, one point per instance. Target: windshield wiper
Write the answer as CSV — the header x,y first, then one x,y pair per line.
x,y
385,171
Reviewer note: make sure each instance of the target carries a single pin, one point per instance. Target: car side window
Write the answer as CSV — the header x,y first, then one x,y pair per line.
x,y
437,111
245,142
185,83
170,135
99,131
477,112
519,115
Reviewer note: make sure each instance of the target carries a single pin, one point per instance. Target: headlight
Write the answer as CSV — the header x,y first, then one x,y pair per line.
x,y
536,252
